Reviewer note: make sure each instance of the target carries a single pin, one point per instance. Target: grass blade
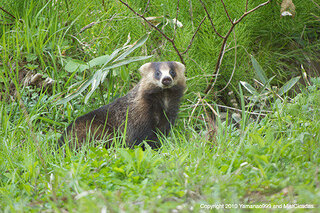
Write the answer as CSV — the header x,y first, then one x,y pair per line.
x,y
259,71
137,44
287,86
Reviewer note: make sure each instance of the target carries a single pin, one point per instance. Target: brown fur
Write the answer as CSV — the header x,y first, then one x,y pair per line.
x,y
150,107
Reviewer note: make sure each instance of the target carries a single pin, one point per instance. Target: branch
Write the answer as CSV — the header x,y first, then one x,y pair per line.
x,y
235,63
225,9
147,6
246,5
252,10
157,29
218,64
8,13
194,35
204,7
225,38
316,4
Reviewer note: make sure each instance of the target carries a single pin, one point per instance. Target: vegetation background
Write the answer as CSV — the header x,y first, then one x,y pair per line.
x,y
265,146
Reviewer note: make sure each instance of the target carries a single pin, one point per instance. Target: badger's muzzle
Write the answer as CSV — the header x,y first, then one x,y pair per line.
x,y
166,81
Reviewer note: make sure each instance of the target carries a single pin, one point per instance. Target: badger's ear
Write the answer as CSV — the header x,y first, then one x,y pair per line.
x,y
144,69
180,66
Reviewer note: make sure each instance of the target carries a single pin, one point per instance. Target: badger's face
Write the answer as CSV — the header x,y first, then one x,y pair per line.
x,y
163,74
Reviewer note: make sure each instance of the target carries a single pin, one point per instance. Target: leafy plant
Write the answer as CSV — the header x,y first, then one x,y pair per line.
x,y
259,97
118,58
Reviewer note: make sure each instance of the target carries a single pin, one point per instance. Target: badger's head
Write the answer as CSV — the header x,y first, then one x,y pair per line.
x,y
163,74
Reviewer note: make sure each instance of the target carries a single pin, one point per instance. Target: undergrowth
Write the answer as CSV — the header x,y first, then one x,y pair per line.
x,y
274,161
272,158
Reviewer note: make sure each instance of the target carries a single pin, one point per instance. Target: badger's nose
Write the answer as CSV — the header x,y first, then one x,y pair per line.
x,y
166,81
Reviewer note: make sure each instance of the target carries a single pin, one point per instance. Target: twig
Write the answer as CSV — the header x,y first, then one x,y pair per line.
x,y
235,63
317,5
250,11
205,8
88,26
218,64
145,9
194,35
225,38
225,9
246,5
157,29
8,13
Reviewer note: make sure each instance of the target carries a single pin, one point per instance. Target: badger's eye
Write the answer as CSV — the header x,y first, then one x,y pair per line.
x,y
172,73
157,74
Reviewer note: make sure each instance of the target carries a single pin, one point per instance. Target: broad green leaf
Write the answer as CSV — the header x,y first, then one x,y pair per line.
x,y
249,88
137,44
120,170
96,81
75,66
268,83
101,74
287,86
124,74
98,61
74,94
47,120
126,61
105,59
259,71
108,63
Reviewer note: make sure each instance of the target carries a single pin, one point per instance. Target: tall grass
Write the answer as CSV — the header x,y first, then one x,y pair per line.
x,y
273,160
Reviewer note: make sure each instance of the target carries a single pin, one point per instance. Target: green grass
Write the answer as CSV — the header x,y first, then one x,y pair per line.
x,y
272,159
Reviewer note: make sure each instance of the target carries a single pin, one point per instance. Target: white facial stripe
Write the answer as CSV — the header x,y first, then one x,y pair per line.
x,y
165,73
165,70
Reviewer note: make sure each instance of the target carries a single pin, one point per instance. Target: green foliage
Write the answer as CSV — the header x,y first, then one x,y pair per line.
x,y
107,62
267,91
269,160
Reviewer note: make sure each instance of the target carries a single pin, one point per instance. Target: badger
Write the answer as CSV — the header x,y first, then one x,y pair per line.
x,y
147,110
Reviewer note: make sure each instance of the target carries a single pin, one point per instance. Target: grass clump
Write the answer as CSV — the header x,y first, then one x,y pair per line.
x,y
272,160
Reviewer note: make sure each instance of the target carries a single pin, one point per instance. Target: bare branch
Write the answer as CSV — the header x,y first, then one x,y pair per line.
x,y
222,49
194,35
87,27
317,5
157,29
7,13
219,61
147,6
246,6
235,63
252,10
205,8
225,9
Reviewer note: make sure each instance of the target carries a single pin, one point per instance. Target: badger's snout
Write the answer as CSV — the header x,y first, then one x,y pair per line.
x,y
166,81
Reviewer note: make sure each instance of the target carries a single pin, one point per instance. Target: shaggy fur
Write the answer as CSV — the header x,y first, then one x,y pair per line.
x,y
149,108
